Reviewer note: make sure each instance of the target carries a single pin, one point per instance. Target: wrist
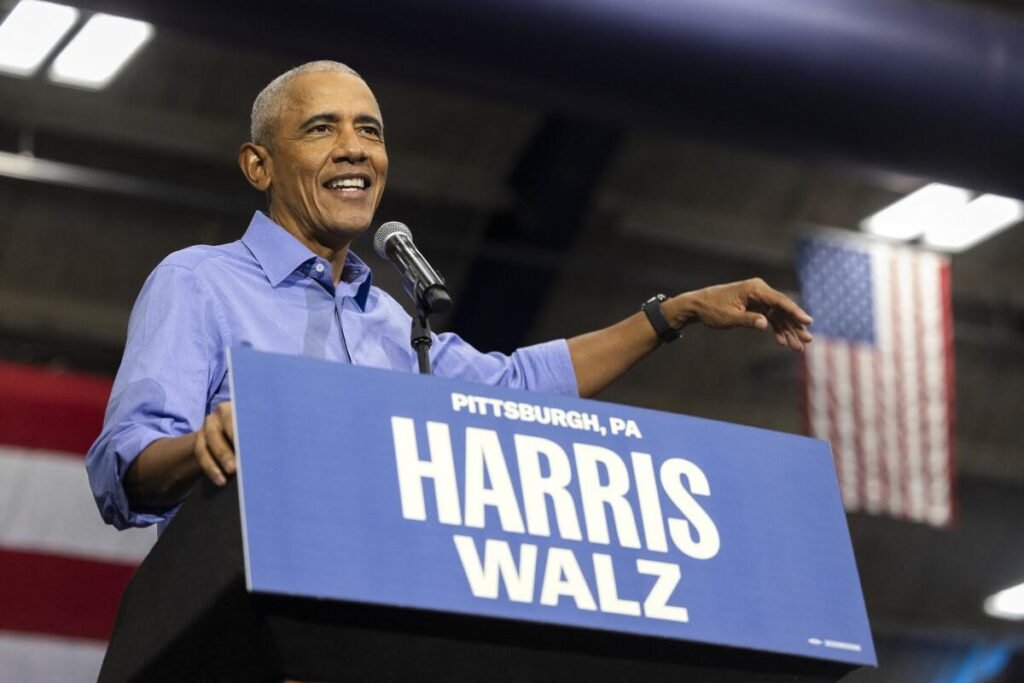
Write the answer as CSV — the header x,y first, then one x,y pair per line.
x,y
681,310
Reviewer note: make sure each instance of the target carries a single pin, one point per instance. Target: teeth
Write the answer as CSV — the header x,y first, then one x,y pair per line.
x,y
348,182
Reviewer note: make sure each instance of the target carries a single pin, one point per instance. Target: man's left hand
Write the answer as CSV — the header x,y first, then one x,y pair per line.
x,y
750,303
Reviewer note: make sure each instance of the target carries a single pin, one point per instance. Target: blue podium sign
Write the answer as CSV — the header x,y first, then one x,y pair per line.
x,y
373,486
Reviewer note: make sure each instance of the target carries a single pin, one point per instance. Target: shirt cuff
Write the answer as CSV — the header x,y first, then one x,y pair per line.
x,y
127,447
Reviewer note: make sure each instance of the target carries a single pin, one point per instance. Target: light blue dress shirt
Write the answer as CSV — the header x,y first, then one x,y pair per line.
x,y
270,292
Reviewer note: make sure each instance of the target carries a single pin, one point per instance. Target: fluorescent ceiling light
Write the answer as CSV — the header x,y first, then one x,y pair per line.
x,y
97,53
911,216
1007,604
978,220
30,32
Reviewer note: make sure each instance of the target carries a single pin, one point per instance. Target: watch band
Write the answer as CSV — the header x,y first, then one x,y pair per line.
x,y
652,309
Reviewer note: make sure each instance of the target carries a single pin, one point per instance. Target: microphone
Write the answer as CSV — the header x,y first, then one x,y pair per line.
x,y
393,241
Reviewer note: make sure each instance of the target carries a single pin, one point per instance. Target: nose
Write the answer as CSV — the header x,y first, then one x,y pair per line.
x,y
349,147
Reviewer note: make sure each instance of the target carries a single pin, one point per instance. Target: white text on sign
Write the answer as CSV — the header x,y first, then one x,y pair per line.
x,y
594,481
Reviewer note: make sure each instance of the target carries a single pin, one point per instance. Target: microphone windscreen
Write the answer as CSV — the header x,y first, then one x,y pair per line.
x,y
386,232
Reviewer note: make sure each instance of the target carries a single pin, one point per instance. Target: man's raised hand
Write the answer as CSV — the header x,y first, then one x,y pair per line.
x,y
750,303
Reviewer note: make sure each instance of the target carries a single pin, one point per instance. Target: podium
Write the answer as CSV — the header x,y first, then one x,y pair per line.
x,y
393,527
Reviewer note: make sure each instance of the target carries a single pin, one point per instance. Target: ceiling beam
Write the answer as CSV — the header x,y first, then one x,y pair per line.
x,y
36,104
26,167
553,184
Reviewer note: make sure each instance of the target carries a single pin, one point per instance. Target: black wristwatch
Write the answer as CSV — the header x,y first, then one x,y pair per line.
x,y
652,309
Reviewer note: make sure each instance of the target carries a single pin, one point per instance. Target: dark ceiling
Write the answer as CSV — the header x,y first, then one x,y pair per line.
x,y
548,221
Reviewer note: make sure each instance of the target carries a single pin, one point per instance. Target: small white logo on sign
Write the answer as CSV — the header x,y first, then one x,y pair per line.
x,y
835,644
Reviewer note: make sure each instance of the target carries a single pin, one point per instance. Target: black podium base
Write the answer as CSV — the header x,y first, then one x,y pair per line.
x,y
186,616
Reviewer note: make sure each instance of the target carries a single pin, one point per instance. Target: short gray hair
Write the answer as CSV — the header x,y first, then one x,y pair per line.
x,y
269,103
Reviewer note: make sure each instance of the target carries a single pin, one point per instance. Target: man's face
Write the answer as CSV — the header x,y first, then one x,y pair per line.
x,y
327,163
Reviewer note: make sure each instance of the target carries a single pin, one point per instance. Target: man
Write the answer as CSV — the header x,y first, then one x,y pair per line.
x,y
292,285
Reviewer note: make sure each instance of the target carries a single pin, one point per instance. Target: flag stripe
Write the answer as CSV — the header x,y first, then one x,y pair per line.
x,y
901,453
885,364
816,390
910,371
857,426
881,422
59,595
832,430
48,507
805,386
921,378
844,422
946,320
926,282
43,408
867,429
28,657
933,384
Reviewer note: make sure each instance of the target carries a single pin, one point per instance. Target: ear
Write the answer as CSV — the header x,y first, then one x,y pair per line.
x,y
254,160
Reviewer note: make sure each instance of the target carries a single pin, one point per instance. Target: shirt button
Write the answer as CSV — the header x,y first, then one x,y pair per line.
x,y
319,267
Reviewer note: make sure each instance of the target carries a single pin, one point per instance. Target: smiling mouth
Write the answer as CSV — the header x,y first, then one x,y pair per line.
x,y
348,185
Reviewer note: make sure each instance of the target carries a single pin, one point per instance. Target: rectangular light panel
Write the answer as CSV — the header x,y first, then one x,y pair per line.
x,y
980,219
1007,604
911,216
30,32
99,51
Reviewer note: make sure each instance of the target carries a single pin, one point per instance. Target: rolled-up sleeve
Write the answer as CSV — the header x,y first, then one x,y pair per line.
x,y
543,367
172,363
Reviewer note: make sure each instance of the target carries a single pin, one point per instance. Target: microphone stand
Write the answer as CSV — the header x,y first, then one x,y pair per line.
x,y
420,339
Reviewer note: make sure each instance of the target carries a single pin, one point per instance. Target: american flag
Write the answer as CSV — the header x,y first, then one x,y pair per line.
x,y
62,570
879,374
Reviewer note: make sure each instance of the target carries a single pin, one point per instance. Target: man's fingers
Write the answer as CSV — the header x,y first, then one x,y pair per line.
x,y
226,412
755,320
777,300
798,314
217,443
206,460
789,332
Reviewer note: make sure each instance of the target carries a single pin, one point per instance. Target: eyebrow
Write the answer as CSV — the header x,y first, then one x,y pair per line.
x,y
369,118
328,117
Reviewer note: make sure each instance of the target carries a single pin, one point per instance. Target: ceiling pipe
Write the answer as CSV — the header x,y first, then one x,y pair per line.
x,y
30,168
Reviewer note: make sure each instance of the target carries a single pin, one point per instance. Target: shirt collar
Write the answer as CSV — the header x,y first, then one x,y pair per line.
x,y
359,275
280,254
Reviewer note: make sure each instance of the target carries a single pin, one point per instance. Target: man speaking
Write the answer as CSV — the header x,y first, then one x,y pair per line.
x,y
292,285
